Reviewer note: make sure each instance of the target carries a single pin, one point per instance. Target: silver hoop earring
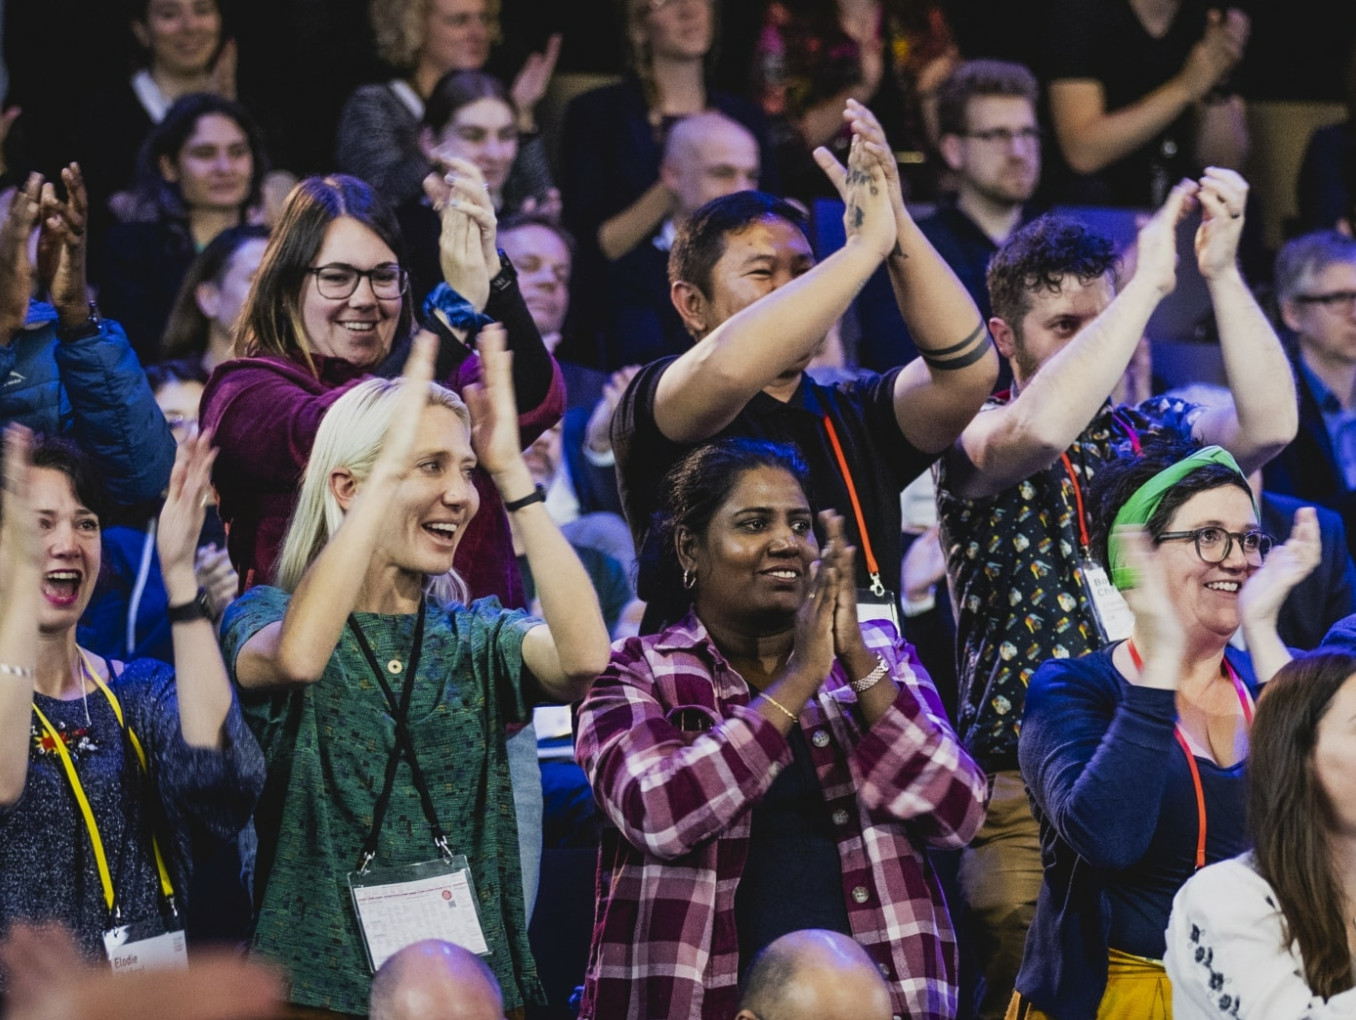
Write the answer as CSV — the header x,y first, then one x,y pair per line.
x,y
689,579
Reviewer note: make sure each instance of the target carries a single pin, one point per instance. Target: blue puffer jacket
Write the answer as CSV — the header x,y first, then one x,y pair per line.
x,y
94,392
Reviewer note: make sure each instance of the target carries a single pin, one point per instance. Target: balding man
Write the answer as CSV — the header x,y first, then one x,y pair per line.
x,y
706,156
813,975
435,980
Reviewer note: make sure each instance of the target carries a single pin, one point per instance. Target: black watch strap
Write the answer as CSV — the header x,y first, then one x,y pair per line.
x,y
190,611
83,330
507,275
537,495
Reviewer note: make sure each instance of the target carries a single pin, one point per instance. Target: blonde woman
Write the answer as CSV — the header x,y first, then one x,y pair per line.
x,y
364,662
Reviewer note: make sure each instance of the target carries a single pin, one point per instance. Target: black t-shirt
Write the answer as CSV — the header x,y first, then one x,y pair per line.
x,y
1105,41
881,460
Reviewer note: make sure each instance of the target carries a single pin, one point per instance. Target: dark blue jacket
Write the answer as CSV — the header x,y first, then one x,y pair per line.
x,y
94,392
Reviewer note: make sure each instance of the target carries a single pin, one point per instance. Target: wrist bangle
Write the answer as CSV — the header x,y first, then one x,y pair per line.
x,y
872,678
26,672
537,495
190,612
779,706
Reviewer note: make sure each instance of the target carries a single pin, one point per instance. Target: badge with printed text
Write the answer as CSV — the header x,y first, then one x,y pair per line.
x,y
398,907
1114,619
145,945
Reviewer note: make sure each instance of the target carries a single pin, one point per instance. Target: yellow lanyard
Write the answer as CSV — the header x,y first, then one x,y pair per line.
x,y
95,840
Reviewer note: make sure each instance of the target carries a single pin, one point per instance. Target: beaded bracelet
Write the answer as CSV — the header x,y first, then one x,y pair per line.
x,y
27,672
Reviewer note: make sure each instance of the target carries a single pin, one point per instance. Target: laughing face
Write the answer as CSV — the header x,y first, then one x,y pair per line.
x,y
71,550
361,327
435,500
753,563
1206,594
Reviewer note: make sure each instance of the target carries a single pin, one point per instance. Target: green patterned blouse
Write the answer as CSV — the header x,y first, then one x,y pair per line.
x,y
326,748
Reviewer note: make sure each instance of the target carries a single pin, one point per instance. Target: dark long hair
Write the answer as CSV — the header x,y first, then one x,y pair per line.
x,y
270,322
697,486
187,332
58,453
153,196
1291,817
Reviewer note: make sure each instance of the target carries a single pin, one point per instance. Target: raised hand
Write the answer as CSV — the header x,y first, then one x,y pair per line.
x,y
467,246
221,79
20,539
531,83
7,120
1286,565
598,432
397,446
1157,242
494,414
176,535
62,247
1159,634
1223,197
16,265
1217,53
865,191
839,554
215,576
813,651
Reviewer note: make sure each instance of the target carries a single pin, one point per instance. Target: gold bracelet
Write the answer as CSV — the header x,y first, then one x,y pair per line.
x,y
780,707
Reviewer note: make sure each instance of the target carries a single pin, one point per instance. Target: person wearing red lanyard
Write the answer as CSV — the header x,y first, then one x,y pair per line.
x,y
1134,755
108,768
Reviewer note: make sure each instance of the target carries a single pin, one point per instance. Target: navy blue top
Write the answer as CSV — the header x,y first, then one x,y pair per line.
x,y
1113,794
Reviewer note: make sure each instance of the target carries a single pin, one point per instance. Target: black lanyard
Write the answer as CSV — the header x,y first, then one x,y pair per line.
x,y
404,743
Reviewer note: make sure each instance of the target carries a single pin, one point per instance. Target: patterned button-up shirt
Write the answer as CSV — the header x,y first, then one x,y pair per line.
x,y
677,760
1013,561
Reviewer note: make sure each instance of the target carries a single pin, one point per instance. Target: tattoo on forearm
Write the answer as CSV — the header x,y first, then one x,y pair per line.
x,y
961,355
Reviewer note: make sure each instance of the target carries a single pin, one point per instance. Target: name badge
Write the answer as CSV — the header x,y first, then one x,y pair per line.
x,y
871,606
133,948
1114,619
398,907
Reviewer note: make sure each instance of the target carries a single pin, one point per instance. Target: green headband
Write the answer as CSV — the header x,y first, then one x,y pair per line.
x,y
1147,498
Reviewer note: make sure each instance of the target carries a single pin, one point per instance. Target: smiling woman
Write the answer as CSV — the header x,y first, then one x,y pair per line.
x,y
766,742
328,306
368,605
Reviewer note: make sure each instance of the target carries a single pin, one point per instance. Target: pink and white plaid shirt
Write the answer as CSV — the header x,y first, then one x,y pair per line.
x,y
677,760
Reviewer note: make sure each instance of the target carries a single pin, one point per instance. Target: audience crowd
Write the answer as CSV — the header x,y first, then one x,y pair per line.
x,y
470,542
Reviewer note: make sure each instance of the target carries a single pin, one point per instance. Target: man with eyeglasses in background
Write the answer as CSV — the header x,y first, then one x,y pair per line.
x,y
1316,295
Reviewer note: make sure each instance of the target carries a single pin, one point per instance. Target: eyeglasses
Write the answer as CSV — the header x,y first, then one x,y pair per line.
x,y
180,422
338,280
1337,301
1213,545
1026,135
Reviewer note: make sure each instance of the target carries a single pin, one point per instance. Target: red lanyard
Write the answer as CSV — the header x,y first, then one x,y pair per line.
x,y
1084,542
872,567
1242,693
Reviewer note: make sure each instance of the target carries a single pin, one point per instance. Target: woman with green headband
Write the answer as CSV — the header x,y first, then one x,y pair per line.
x,y
1134,755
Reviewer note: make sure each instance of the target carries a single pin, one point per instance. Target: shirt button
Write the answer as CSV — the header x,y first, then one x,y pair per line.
x,y
860,894
840,817
820,739
774,768
884,969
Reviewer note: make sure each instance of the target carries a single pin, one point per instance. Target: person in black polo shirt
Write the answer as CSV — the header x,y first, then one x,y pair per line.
x,y
747,287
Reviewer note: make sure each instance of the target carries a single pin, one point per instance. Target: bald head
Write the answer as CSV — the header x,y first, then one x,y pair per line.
x,y
435,980
814,975
706,156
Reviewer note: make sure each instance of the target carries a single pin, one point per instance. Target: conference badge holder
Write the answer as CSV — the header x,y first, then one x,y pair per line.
x,y
399,906
1114,619
878,603
145,945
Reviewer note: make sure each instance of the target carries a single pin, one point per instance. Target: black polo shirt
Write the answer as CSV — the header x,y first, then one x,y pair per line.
x,y
880,459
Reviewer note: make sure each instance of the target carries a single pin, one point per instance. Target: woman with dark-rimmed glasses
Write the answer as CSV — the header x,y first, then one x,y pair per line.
x,y
1134,756
329,304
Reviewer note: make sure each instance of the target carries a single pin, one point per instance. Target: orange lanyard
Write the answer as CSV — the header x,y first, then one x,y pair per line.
x,y
872,567
1242,693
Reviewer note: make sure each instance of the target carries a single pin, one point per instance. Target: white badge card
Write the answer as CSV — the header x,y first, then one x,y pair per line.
x,y
397,907
1113,615
145,945
871,606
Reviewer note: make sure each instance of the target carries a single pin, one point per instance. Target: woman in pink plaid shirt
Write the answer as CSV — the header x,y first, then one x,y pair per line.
x,y
769,763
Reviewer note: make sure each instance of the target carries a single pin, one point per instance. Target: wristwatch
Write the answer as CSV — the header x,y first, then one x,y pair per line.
x,y
506,276
84,330
198,609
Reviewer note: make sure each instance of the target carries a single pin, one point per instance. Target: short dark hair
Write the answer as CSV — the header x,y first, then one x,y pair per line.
x,y
177,370
697,486
187,331
519,220
974,79
270,322
154,196
701,239
59,453
1117,480
461,88
1038,257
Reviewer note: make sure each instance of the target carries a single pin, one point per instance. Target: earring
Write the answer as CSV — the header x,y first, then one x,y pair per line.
x,y
689,579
